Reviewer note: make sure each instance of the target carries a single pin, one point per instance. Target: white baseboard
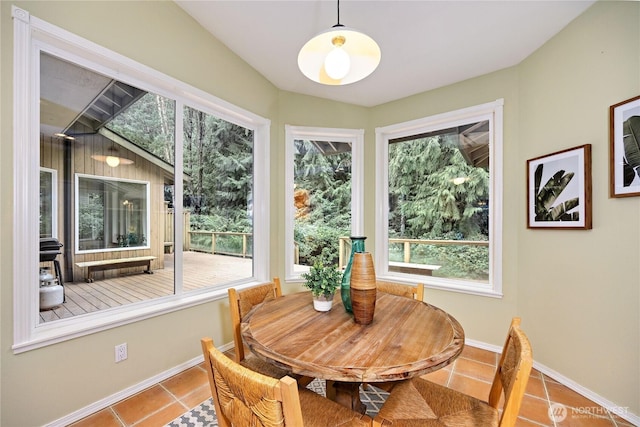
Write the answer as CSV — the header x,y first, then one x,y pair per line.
x,y
569,383
129,391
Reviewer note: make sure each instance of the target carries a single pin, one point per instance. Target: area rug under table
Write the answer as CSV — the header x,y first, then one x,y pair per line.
x,y
204,415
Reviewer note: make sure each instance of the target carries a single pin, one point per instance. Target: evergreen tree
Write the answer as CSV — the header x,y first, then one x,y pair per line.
x,y
149,123
434,192
327,180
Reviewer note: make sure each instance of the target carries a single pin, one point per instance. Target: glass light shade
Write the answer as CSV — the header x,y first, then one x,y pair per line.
x,y
363,52
112,161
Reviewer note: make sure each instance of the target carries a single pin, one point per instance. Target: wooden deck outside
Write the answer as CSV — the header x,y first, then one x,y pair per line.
x,y
200,270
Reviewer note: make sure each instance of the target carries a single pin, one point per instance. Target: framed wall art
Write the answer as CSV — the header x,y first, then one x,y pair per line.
x,y
559,189
624,148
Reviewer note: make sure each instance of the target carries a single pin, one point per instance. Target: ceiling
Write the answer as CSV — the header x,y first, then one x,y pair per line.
x,y
425,44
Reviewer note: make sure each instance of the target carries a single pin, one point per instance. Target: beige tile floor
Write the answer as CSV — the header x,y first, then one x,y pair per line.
x,y
471,373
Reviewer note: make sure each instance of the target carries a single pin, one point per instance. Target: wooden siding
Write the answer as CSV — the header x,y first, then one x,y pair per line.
x,y
52,156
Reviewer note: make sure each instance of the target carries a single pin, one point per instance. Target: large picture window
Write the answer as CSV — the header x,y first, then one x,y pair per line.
x,y
440,222
133,172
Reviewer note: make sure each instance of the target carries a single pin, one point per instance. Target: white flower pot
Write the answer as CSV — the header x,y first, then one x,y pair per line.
x,y
322,304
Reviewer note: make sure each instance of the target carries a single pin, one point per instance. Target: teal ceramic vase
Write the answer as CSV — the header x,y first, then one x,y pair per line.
x,y
357,245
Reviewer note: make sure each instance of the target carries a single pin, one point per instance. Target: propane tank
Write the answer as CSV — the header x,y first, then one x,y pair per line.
x,y
45,276
51,295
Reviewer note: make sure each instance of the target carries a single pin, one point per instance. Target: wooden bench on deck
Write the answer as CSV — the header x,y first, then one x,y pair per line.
x,y
411,268
112,264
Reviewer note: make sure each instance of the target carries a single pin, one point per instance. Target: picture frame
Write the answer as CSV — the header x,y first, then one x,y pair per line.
x,y
624,148
559,190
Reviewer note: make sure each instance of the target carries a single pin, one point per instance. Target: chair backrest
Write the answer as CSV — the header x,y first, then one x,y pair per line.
x,y
242,301
416,292
512,374
243,397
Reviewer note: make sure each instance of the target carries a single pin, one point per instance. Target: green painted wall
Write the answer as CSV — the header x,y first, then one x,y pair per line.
x,y
40,386
577,291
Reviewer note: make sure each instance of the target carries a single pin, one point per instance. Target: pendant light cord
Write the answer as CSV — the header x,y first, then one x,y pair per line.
x,y
338,24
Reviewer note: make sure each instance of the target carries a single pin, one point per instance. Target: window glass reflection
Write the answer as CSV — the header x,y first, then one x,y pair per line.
x,y
109,147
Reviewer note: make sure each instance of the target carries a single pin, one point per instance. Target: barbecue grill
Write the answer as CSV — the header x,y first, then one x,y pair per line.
x,y
49,251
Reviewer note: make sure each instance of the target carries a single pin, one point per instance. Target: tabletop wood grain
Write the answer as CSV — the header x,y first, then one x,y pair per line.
x,y
406,338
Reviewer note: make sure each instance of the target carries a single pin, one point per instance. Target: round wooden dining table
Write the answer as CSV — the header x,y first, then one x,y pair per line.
x,y
407,338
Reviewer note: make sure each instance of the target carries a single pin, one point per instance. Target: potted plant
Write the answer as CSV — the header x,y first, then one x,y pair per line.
x,y
323,281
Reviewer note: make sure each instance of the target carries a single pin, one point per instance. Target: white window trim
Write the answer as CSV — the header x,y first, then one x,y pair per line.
x,y
54,199
356,138
30,36
491,111
77,213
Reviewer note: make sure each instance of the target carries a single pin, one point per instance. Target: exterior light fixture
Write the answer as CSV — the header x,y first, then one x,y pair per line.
x,y
64,136
112,159
339,56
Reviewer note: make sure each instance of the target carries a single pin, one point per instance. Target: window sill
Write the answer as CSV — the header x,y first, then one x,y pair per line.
x,y
459,286
65,329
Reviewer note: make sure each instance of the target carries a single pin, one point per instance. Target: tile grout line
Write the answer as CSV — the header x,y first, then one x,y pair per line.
x,y
150,414
116,415
174,396
453,367
546,392
609,415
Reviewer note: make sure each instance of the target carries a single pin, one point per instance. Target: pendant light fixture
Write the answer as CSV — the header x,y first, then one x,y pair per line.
x,y
112,159
339,56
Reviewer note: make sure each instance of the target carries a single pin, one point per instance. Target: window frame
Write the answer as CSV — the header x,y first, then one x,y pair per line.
x,y
54,199
356,138
147,220
33,35
492,111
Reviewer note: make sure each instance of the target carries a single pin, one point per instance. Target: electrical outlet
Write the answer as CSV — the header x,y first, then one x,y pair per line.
x,y
121,352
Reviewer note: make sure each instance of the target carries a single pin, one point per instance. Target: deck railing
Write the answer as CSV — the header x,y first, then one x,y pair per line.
x,y
188,241
214,247
345,246
344,243
169,232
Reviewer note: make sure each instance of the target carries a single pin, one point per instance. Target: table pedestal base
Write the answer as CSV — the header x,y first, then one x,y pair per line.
x,y
346,394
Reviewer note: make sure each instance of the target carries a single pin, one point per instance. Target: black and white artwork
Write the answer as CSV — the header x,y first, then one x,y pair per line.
x,y
559,189
624,148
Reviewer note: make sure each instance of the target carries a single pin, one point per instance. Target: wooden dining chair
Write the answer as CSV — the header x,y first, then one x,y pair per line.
x,y
240,303
243,397
415,292
419,401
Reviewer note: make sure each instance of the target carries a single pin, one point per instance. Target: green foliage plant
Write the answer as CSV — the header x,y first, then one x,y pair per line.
x,y
327,178
322,280
427,203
